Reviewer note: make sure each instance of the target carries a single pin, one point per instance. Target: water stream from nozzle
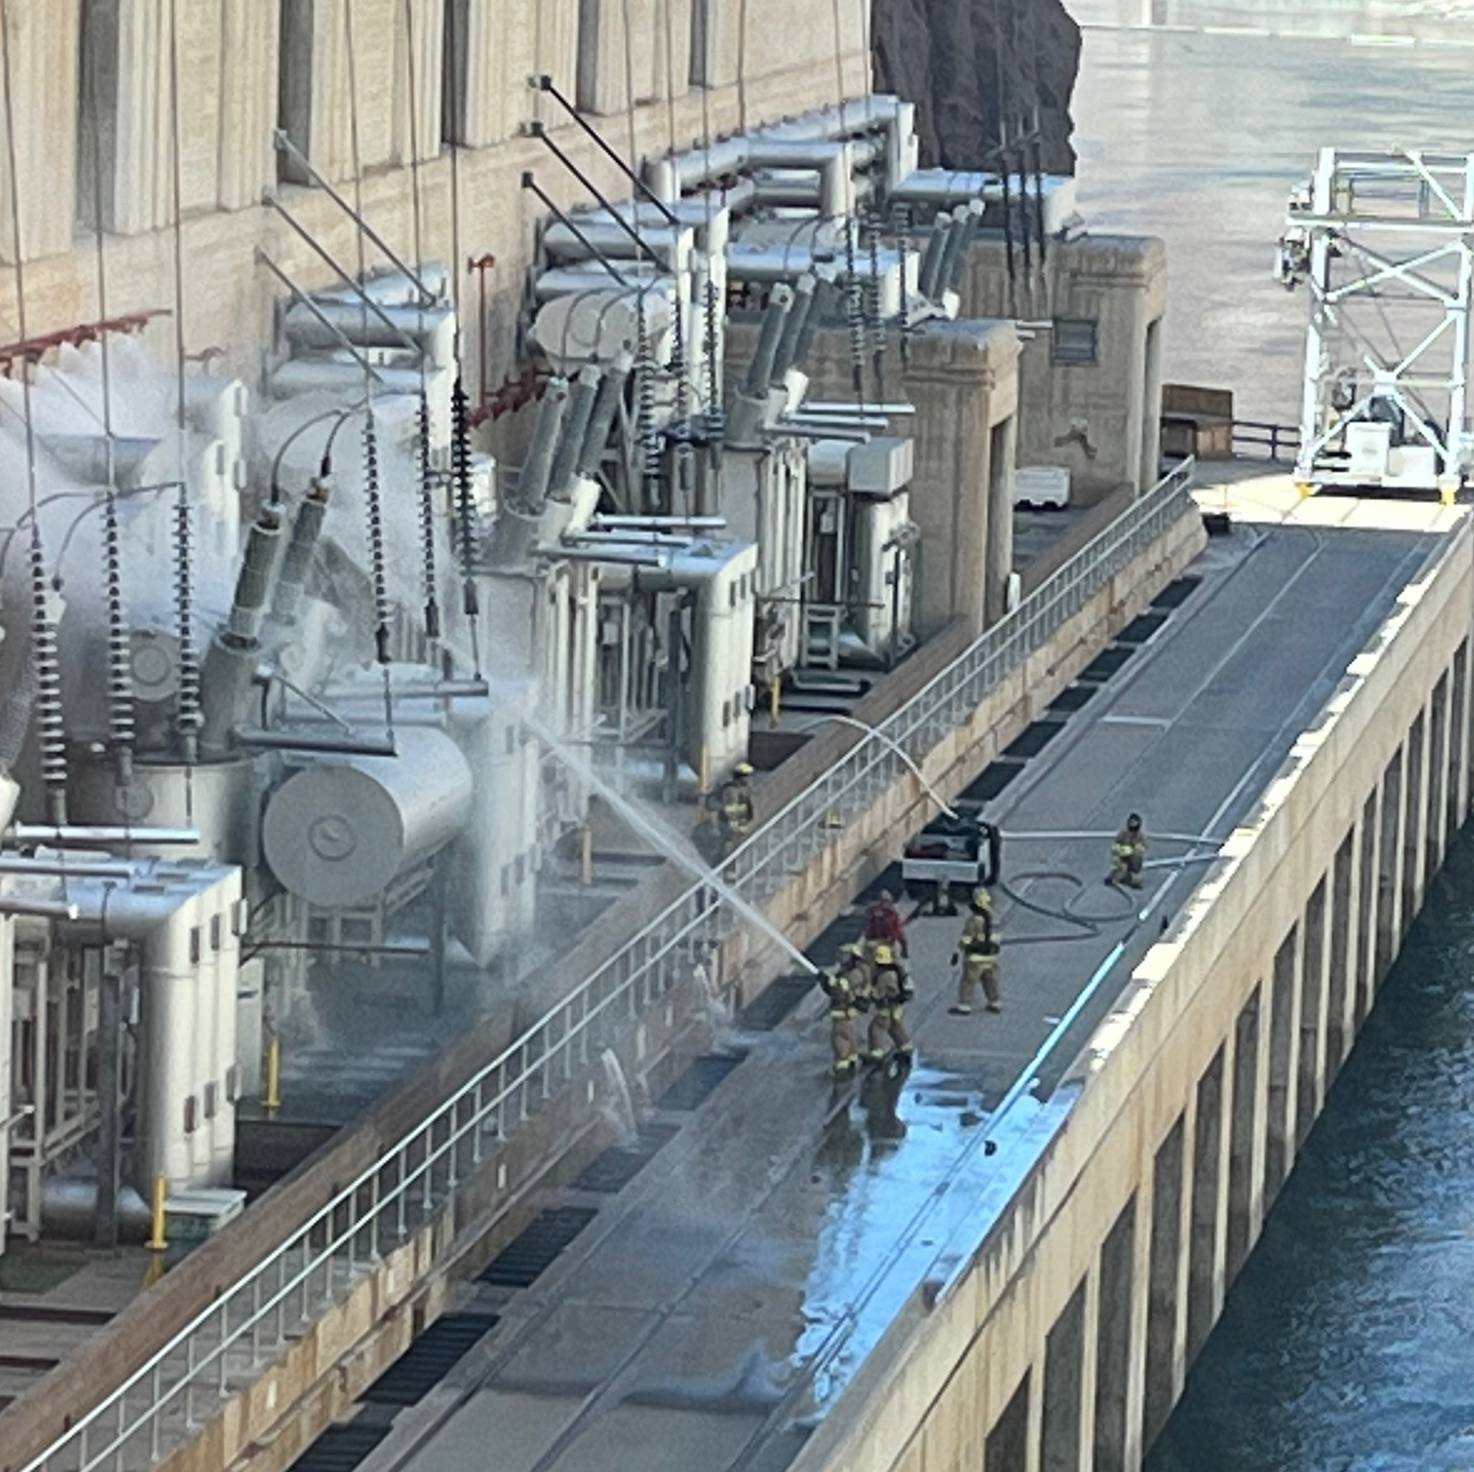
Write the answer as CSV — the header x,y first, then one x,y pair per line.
x,y
660,837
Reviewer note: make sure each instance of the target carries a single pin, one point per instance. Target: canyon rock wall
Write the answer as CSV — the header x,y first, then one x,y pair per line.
x,y
973,65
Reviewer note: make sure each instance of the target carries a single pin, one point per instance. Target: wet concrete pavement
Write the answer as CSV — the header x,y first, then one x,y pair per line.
x,y
715,1305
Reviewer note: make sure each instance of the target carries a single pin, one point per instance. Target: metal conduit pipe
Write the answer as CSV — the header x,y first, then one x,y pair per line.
x,y
291,577
78,835
931,261
793,325
601,420
532,486
581,400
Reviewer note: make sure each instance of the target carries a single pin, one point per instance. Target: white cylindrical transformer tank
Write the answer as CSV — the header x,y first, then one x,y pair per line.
x,y
222,950
171,1051
339,831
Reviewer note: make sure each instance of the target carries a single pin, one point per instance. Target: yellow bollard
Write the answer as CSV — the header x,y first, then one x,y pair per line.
x,y
586,855
156,1239
775,700
271,1088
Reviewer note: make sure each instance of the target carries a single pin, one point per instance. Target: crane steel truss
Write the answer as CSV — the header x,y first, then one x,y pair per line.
x,y
1385,242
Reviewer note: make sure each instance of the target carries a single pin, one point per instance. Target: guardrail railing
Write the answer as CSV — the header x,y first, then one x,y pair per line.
x,y
171,1395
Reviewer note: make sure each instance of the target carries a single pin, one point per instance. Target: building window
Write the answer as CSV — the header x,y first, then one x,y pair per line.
x,y
1076,340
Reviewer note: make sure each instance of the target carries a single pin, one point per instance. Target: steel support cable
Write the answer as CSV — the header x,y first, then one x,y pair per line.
x,y
43,633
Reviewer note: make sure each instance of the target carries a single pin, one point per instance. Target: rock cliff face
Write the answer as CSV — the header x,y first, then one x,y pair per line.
x,y
973,65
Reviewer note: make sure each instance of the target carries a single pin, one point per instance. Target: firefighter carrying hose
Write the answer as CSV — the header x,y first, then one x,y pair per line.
x,y
1128,854
847,987
889,991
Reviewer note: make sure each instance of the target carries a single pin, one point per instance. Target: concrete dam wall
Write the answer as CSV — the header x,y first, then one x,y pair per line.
x,y
1121,1210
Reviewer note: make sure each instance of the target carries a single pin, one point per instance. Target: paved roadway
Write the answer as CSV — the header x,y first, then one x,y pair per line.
x,y
784,1220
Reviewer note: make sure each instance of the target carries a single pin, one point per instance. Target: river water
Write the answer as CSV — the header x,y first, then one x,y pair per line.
x,y
1347,1344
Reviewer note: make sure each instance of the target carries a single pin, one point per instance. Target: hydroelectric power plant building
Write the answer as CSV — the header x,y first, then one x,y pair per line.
x,y
445,441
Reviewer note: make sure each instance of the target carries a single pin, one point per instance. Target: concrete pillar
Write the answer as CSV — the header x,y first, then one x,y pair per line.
x,y
43,79
639,44
1455,788
1415,805
1113,1344
1340,1024
1284,1023
1151,411
249,72
962,383
1310,1070
1206,1240
1389,869
1002,449
1062,1419
1460,754
1245,1136
1433,820
1366,905
717,42
1164,1296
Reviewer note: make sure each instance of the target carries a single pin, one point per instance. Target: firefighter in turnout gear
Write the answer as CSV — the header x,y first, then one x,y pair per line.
x,y
884,927
1128,854
735,806
846,986
978,952
889,993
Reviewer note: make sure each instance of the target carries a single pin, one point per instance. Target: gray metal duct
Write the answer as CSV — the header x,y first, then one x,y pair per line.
x,y
601,421
291,578
532,486
581,403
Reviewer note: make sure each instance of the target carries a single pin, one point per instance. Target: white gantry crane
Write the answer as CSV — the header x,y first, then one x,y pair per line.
x,y
1385,243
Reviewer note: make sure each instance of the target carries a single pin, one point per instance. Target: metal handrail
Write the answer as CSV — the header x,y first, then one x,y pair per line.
x,y
405,1187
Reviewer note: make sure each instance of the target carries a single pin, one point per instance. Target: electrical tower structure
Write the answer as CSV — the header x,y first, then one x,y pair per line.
x,y
1385,244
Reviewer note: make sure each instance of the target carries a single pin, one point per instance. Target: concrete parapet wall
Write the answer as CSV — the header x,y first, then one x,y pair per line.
x,y
1124,1206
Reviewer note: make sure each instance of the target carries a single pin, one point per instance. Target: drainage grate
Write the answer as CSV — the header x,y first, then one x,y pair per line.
x,y
1106,663
1034,739
1072,698
772,1005
992,780
695,1086
340,1448
522,1261
1141,628
1174,595
618,1166
428,1360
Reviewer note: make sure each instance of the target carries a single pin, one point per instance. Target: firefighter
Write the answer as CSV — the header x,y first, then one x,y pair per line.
x,y
884,926
734,806
978,952
889,992
1128,854
844,986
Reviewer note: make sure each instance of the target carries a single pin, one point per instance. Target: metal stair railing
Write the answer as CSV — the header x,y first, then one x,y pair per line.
x,y
171,1395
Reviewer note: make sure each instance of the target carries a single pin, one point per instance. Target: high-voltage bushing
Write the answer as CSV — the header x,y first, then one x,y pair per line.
x,y
965,222
794,323
931,260
581,400
537,466
601,421
749,411
297,559
232,659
